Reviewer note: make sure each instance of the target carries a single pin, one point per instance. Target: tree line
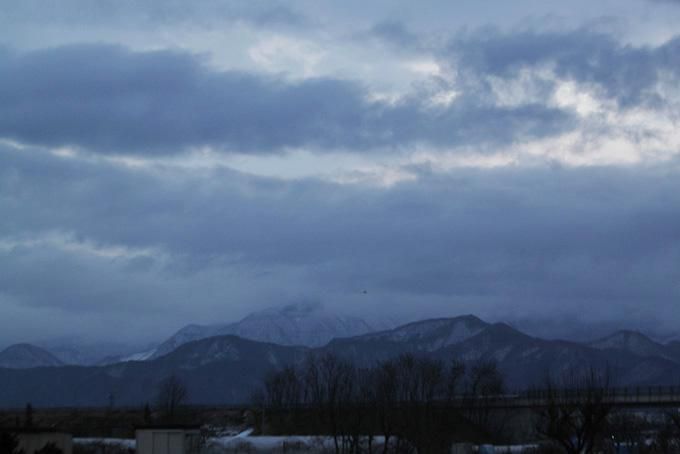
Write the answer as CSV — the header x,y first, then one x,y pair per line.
x,y
577,415
405,404
418,404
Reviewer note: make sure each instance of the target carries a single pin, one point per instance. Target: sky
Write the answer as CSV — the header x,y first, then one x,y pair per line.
x,y
172,162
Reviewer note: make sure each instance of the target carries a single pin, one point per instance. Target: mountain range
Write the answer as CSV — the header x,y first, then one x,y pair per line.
x,y
303,324
226,368
25,356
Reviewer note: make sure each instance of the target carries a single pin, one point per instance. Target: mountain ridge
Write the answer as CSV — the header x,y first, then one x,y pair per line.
x,y
227,369
637,343
304,324
24,355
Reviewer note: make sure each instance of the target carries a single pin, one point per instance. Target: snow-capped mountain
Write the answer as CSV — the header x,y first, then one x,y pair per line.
x,y
189,333
635,343
84,352
421,337
305,324
298,324
224,369
232,349
431,335
25,356
524,360
228,369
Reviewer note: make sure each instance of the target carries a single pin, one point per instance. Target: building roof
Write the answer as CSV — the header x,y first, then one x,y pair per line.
x,y
168,427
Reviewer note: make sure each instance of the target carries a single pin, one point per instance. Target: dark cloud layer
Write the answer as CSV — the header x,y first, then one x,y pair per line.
x,y
108,99
396,34
505,242
626,73
150,13
140,249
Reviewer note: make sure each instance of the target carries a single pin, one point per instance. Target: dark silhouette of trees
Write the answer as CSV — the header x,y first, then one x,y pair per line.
x,y
484,382
9,443
50,448
172,394
414,403
423,402
28,415
575,415
283,389
147,414
330,385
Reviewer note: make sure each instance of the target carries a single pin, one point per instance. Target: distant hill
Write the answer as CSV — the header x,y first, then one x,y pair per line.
x,y
84,352
425,336
227,369
524,360
23,356
637,344
223,369
527,361
304,324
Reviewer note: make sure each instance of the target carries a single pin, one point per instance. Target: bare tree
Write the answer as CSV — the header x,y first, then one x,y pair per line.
x,y
330,383
414,402
357,411
282,399
484,382
28,415
147,414
172,394
283,389
423,414
575,415
386,400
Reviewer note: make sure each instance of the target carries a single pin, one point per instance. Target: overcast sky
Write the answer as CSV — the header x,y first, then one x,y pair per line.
x,y
167,162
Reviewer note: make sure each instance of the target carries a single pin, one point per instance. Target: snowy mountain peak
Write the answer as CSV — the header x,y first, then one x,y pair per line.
x,y
24,356
302,309
433,334
630,341
305,323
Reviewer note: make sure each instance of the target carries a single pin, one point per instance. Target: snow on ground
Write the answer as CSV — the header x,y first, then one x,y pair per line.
x,y
513,448
122,442
243,441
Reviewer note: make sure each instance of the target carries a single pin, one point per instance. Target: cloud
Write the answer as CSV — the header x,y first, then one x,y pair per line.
x,y
145,247
626,73
396,34
543,241
145,13
108,99
111,100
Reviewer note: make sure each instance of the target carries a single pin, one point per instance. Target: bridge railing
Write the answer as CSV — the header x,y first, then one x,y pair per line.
x,y
637,393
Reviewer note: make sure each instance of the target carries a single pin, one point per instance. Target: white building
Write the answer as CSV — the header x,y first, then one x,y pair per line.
x,y
168,440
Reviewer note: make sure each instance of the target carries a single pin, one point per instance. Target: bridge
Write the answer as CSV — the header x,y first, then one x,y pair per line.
x,y
635,397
